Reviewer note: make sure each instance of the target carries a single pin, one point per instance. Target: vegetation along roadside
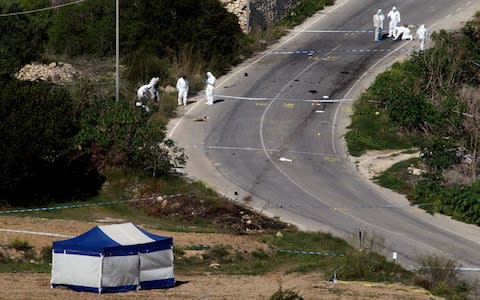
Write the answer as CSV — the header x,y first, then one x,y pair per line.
x,y
429,102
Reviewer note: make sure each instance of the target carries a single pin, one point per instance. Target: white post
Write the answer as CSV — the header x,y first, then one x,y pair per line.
x,y
394,256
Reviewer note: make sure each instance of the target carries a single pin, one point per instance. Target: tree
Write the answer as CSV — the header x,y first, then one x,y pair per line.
x,y
85,28
38,160
21,40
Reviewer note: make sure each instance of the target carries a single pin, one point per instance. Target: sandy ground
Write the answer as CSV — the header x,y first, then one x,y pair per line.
x,y
36,286
374,162
208,286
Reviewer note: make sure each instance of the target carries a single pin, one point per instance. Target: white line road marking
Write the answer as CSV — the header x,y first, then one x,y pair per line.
x,y
36,233
261,149
330,31
311,52
282,99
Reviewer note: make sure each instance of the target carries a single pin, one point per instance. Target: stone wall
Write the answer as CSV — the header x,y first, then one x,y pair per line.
x,y
55,72
258,13
240,9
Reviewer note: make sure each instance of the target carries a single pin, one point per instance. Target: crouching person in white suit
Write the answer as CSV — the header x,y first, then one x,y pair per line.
x,y
404,32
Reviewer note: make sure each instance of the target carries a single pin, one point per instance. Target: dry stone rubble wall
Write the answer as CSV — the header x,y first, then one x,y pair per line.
x,y
259,13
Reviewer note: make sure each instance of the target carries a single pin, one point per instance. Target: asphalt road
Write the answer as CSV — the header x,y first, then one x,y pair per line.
x,y
272,141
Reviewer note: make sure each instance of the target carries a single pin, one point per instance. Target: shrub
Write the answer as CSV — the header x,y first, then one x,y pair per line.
x,y
21,40
439,153
439,274
38,160
287,294
219,253
46,254
123,135
21,245
84,28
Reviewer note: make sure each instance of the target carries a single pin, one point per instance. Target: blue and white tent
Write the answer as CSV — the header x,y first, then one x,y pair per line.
x,y
113,258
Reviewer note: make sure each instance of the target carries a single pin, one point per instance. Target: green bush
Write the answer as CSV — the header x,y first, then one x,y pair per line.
x,y
439,153
439,274
220,253
397,177
372,129
38,160
21,245
46,254
21,41
123,135
84,28
287,294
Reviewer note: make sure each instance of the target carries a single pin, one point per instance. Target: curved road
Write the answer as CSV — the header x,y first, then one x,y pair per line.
x,y
274,135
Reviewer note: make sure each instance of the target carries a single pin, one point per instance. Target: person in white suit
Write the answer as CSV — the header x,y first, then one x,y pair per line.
x,y
209,90
404,32
422,35
395,19
378,19
182,89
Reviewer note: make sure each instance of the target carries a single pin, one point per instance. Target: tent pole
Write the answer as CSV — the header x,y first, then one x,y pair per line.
x,y
101,272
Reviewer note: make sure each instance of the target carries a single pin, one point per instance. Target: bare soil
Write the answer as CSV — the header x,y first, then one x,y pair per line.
x,y
374,162
206,286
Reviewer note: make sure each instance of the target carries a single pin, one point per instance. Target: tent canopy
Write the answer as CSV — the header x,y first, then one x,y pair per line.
x,y
113,258
104,239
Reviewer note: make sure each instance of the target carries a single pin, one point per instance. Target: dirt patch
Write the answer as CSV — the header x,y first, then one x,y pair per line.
x,y
37,286
374,162
227,213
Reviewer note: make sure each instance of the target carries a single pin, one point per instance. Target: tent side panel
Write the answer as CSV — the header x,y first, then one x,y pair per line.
x,y
156,269
75,270
120,271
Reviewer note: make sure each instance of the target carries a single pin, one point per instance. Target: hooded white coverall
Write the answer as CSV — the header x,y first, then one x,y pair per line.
x,y
403,31
378,24
182,88
210,88
394,16
422,35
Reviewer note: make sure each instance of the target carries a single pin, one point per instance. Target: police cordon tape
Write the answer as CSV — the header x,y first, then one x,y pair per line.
x,y
312,52
304,252
58,207
278,250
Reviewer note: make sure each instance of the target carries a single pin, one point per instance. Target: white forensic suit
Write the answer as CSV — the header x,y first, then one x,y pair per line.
x,y
394,16
210,88
404,32
422,35
182,89
378,19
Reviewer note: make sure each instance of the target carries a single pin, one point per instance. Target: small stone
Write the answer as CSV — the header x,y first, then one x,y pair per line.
x,y
214,265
